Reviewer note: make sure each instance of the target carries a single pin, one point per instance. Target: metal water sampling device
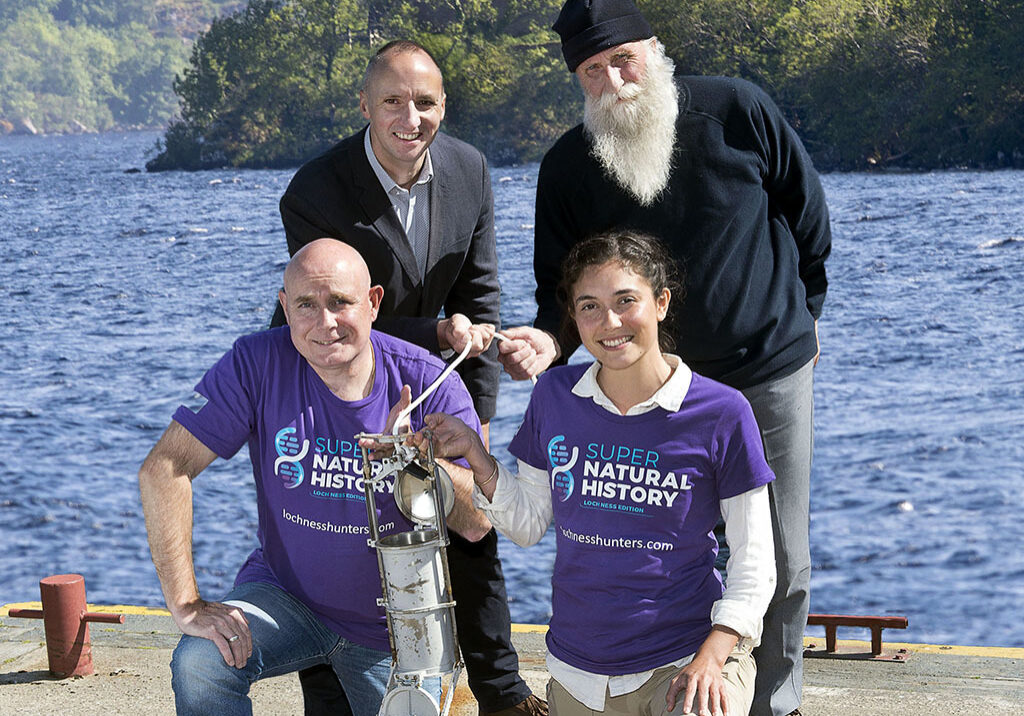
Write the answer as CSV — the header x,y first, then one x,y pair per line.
x,y
414,572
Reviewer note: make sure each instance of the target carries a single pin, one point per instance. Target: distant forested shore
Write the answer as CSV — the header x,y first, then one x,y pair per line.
x,y
95,65
868,84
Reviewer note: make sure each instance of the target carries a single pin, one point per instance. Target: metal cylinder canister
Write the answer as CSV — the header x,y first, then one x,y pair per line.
x,y
421,615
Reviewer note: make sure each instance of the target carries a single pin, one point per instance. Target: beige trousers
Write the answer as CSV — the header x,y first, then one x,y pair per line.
x,y
649,700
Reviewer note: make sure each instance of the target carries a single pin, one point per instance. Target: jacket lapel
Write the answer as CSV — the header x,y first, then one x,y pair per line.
x,y
379,214
440,197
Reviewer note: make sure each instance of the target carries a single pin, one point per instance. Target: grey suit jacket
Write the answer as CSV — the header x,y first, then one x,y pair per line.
x,y
337,195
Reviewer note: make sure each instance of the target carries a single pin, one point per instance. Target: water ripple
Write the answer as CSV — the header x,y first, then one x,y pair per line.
x,y
121,290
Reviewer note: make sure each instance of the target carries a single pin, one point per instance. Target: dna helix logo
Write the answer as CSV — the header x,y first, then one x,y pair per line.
x,y
562,480
287,466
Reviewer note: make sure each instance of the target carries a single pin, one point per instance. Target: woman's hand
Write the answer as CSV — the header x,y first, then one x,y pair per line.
x,y
452,438
526,352
700,682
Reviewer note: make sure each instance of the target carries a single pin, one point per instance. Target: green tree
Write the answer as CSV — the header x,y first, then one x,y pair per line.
x,y
54,73
279,81
142,76
104,13
266,86
10,9
851,76
975,90
99,63
59,74
509,92
867,83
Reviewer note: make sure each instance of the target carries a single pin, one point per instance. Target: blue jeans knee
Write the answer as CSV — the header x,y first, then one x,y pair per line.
x,y
204,684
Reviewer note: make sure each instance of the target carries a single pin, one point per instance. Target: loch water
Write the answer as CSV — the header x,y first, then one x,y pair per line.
x,y
118,290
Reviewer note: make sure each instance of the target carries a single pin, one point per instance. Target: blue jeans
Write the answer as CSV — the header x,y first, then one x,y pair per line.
x,y
784,409
286,636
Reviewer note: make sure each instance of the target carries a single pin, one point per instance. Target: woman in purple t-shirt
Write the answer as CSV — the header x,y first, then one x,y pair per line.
x,y
634,458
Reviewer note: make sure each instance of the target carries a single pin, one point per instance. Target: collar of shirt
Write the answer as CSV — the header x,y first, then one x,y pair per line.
x,y
669,396
389,184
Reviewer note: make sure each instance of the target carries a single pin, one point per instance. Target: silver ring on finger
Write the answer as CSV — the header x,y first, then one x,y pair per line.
x,y
233,638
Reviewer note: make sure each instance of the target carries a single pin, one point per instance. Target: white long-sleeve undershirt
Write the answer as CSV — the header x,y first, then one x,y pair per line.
x,y
521,509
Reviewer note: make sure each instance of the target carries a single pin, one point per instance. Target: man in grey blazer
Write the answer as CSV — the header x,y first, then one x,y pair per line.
x,y
417,206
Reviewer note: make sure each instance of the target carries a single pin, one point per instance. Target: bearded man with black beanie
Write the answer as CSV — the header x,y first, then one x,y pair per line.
x,y
710,166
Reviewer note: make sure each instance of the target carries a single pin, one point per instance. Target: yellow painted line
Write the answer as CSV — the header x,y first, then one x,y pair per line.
x,y
1002,652
113,608
529,628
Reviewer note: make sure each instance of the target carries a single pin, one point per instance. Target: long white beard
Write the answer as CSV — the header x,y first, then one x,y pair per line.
x,y
633,139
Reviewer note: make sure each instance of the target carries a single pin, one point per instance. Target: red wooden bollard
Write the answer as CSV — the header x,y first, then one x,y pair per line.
x,y
66,623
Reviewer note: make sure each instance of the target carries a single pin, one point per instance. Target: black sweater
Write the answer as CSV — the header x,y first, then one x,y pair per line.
x,y
744,214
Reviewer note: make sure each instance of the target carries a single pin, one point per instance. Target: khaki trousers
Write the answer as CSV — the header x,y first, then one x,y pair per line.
x,y
739,673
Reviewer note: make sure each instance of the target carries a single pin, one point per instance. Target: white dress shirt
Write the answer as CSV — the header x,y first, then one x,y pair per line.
x,y
521,509
412,206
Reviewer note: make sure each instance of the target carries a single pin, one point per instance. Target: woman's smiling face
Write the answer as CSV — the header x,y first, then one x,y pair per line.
x,y
617,316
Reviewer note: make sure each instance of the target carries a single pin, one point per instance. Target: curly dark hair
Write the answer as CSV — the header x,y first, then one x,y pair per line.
x,y
642,254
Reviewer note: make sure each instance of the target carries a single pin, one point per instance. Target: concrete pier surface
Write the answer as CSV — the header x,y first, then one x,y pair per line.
x,y
132,675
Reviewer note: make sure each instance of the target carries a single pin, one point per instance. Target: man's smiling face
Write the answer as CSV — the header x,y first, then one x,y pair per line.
x,y
404,102
330,306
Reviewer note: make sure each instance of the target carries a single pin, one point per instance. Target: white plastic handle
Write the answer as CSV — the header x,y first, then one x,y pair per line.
x,y
433,386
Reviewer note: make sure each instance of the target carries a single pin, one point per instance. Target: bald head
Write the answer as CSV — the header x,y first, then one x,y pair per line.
x,y
386,55
330,306
326,257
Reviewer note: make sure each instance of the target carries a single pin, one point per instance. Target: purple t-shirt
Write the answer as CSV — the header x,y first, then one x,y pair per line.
x,y
308,467
635,501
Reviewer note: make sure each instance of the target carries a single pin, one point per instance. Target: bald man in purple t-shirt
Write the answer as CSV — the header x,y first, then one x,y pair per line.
x,y
297,396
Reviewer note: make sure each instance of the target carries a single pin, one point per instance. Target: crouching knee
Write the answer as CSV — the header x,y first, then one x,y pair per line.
x,y
203,683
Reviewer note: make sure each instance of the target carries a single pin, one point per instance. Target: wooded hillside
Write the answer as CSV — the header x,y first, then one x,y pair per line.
x,y
867,83
83,65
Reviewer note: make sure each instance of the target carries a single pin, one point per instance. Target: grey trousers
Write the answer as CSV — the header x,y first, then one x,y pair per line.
x,y
784,409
